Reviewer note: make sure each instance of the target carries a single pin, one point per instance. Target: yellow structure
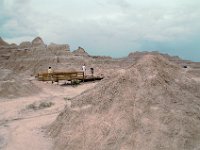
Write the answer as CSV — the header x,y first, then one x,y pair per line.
x,y
56,76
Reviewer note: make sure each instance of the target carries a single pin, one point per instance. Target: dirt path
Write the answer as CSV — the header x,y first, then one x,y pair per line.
x,y
21,127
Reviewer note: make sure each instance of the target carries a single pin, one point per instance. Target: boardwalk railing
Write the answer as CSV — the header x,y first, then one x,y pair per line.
x,y
56,76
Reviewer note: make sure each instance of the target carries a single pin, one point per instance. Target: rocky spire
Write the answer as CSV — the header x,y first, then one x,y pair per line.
x,y
80,52
38,42
3,43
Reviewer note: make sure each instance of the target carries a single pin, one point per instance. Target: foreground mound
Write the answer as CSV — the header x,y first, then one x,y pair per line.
x,y
152,105
12,86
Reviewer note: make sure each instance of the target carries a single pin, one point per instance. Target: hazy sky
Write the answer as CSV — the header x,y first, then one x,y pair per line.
x,y
106,27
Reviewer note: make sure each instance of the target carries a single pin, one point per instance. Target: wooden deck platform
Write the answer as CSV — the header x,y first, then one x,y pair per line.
x,y
56,76
68,76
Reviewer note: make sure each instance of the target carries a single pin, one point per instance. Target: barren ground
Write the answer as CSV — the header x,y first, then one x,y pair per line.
x,y
150,105
21,126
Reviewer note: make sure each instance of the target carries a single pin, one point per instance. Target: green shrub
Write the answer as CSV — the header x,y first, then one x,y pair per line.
x,y
76,82
45,105
42,105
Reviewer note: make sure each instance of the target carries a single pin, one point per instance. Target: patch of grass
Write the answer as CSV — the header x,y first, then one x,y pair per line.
x,y
32,106
45,105
67,98
39,106
76,82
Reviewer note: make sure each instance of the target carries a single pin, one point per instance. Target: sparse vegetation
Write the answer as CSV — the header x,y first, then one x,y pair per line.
x,y
45,105
32,106
42,105
67,98
76,82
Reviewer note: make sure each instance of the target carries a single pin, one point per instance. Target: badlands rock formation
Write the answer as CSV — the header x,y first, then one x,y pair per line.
x,y
25,45
38,43
57,47
147,100
151,105
3,43
80,52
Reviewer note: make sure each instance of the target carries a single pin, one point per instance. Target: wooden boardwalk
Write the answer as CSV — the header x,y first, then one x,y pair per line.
x,y
68,76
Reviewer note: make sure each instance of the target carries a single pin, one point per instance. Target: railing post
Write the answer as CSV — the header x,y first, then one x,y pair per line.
x,y
83,76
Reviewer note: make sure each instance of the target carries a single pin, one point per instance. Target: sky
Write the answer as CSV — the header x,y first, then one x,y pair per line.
x,y
106,27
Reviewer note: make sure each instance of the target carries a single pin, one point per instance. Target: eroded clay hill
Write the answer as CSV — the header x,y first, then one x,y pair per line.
x,y
152,105
32,57
3,43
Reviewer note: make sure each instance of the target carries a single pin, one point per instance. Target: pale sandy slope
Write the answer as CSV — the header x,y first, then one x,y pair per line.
x,y
22,128
153,105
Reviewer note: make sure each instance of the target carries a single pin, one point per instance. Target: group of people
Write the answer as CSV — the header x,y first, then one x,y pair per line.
x,y
84,70
50,72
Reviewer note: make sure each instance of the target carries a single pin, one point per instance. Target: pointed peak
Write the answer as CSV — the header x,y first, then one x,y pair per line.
x,y
80,52
38,42
38,38
3,43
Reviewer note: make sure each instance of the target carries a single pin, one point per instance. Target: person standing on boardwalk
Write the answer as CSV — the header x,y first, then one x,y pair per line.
x,y
92,71
50,74
84,69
